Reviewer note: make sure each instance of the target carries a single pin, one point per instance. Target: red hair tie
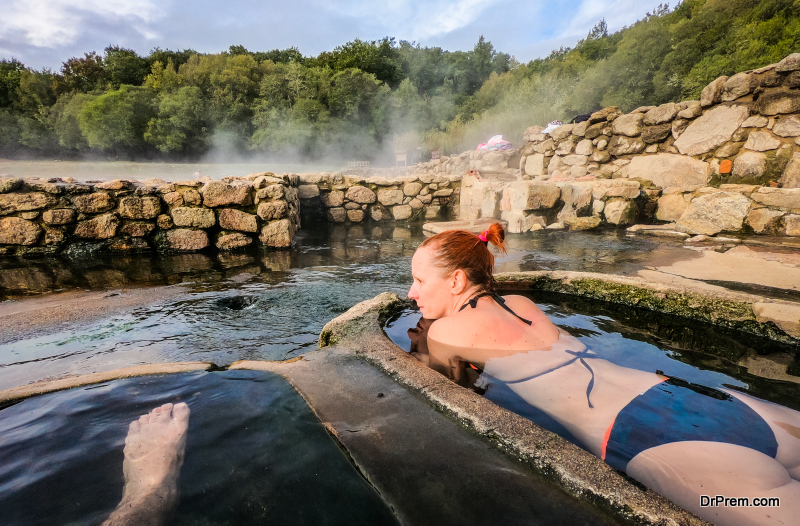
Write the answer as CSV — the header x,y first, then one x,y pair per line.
x,y
483,237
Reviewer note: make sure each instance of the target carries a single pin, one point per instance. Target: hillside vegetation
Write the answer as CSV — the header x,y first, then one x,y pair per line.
x,y
364,99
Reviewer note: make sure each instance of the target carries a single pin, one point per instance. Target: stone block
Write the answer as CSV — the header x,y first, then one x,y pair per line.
x,y
193,217
662,114
762,142
778,101
279,233
750,164
712,94
18,231
219,193
792,225
713,213
713,129
601,156
728,150
59,216
401,212
377,213
336,215
9,184
355,216
23,202
790,63
432,212
132,207
446,192
192,197
572,160
787,126
791,174
100,227
186,240
335,198
416,204
138,229
654,134
361,195
270,210
233,240
534,165
784,198
620,212
116,184
411,190
737,86
231,219
622,145
173,199
307,191
584,147
606,114
668,169
756,121
671,207
578,223
562,132
273,191
629,125
764,220
693,109
164,222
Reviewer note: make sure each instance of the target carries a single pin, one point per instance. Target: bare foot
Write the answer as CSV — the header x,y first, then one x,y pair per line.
x,y
154,450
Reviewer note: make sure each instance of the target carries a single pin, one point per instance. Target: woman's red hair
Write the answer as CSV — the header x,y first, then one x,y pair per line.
x,y
460,249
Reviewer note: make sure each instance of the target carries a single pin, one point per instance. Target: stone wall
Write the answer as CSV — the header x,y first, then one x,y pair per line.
x,y
497,163
53,216
729,162
338,198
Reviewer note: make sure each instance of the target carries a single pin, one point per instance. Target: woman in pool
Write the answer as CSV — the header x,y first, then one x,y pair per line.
x,y
681,440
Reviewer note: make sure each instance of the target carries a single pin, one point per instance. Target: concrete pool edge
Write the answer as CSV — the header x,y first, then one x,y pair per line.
x,y
48,386
576,471
777,320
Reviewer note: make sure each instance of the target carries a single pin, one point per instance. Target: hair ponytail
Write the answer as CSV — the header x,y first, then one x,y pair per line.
x,y
460,249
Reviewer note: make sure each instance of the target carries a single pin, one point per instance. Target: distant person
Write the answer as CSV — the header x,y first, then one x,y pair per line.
x,y
681,440
154,450
197,176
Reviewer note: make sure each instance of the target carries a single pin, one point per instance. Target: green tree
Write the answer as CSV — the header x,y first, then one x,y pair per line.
x,y
10,76
116,121
124,66
180,126
81,74
64,117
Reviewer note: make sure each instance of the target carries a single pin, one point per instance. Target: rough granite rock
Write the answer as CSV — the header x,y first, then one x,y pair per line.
x,y
669,169
139,207
527,195
712,93
173,199
788,126
562,132
389,197
534,165
790,63
193,217
185,239
94,203
164,222
693,109
728,150
737,86
755,121
100,227
138,229
232,241
629,125
792,223
401,212
713,129
231,219
662,114
59,216
336,215
778,101
278,234
333,199
416,204
791,174
269,210
361,195
785,198
411,190
584,147
622,145
762,141
356,216
116,184
713,213
273,191
764,220
573,160
219,193
671,207
750,164
18,231
654,134
9,184
620,212
307,191
606,114
192,197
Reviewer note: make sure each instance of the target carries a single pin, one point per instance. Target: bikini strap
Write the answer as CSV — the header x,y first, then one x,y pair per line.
x,y
498,299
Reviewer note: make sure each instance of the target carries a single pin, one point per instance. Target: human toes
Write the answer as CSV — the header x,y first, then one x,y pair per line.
x,y
164,413
180,413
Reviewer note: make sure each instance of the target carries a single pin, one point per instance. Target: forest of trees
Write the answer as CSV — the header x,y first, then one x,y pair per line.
x,y
364,99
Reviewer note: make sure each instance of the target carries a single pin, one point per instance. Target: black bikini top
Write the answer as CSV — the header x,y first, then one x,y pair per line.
x,y
500,301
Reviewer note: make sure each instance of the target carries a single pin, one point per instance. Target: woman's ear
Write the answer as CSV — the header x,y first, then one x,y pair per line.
x,y
458,281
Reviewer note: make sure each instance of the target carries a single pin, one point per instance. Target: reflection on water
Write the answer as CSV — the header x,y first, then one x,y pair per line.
x,y
255,454
256,305
105,171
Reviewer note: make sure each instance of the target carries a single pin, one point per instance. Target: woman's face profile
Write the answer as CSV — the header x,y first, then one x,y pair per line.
x,y
431,290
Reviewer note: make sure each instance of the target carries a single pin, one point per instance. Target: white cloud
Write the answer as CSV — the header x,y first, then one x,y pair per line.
x,y
53,23
412,19
617,13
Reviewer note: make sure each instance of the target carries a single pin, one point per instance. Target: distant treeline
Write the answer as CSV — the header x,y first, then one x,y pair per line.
x,y
365,98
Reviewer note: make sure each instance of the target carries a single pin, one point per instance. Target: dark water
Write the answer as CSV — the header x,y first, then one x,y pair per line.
x,y
696,352
255,454
258,305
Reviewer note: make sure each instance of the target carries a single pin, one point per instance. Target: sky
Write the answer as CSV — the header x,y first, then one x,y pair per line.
x,y
45,33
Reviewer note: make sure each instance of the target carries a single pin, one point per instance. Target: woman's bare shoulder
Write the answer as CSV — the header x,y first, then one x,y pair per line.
x,y
522,305
455,330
